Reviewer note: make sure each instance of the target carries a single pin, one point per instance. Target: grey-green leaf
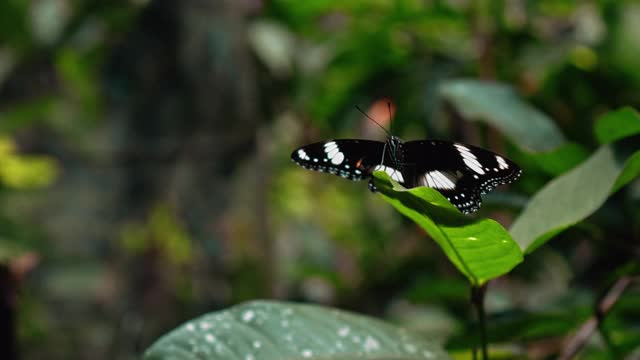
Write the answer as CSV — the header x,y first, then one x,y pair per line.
x,y
573,196
498,105
278,330
481,249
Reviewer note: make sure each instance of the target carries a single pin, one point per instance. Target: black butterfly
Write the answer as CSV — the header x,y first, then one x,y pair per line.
x,y
460,172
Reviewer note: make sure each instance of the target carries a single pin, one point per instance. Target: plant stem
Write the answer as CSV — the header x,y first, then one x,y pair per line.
x,y
477,299
611,346
579,339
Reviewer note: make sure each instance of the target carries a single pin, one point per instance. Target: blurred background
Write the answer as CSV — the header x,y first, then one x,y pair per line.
x,y
145,173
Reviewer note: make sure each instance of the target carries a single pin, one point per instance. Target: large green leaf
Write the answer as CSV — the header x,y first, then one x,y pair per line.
x,y
500,106
480,248
616,125
572,197
273,330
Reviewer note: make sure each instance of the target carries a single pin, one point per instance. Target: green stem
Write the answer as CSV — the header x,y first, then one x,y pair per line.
x,y
477,299
607,340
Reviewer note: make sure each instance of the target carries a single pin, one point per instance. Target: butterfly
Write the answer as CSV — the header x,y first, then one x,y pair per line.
x,y
458,171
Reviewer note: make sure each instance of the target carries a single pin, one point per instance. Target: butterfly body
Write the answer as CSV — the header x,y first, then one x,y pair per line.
x,y
460,172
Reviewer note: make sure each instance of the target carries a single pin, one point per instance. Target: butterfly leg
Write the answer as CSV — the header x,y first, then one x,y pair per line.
x,y
372,186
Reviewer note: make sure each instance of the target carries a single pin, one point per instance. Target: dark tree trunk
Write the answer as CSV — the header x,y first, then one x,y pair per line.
x,y
8,341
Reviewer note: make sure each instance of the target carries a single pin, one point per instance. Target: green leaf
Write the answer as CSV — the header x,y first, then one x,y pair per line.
x,y
22,114
630,172
572,197
500,106
562,159
277,330
616,125
481,249
15,31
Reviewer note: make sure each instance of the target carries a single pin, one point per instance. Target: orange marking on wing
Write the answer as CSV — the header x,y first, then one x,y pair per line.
x,y
359,163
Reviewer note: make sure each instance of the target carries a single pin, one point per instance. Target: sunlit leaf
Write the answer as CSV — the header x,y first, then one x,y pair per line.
x,y
481,249
272,330
28,172
24,171
500,106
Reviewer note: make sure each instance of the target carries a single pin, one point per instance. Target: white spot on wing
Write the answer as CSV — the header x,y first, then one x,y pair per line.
x,y
501,162
469,159
461,147
438,180
474,165
337,159
303,155
333,153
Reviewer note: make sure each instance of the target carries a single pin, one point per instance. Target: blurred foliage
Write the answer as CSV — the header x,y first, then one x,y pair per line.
x,y
23,172
144,161
161,233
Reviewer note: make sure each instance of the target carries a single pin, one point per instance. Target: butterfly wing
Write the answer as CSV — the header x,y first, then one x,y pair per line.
x,y
349,158
460,172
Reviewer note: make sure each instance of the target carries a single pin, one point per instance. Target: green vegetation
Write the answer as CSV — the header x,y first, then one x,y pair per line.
x,y
145,180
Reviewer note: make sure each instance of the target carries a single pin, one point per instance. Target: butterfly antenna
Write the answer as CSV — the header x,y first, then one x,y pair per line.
x,y
375,122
